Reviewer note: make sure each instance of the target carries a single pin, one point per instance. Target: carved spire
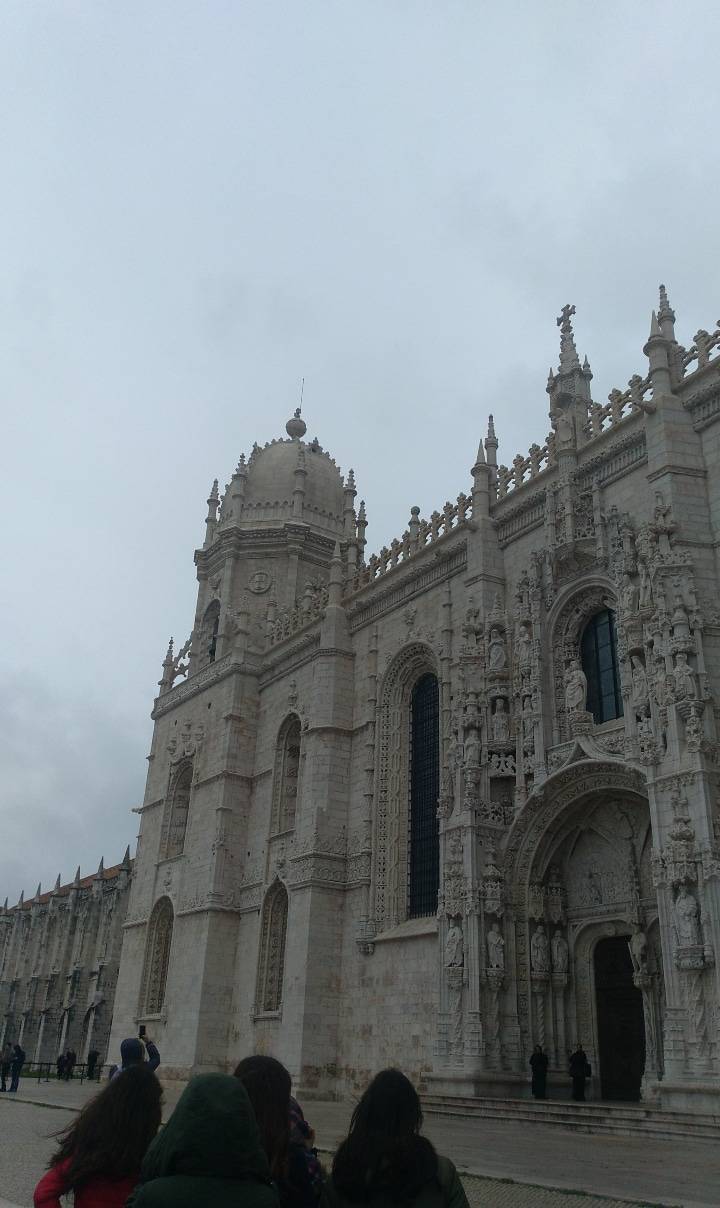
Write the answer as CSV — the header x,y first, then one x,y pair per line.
x,y
76,882
38,892
21,901
491,443
569,359
57,884
361,527
666,316
126,858
101,868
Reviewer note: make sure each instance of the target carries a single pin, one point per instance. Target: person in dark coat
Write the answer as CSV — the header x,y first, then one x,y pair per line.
x,y
5,1060
578,1072
60,1063
92,1058
18,1061
101,1151
70,1060
268,1086
209,1153
539,1066
153,1055
384,1162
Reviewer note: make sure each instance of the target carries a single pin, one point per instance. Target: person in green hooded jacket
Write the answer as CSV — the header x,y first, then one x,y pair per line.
x,y
384,1162
209,1153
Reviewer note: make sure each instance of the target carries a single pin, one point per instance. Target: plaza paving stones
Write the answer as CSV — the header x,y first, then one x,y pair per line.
x,y
504,1165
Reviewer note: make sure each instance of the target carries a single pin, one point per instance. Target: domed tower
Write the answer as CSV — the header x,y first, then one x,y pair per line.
x,y
261,690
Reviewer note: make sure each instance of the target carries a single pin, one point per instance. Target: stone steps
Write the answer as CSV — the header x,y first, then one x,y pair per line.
x,y
607,1118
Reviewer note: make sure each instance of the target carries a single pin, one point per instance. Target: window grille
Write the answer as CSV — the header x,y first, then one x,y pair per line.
x,y
598,650
423,839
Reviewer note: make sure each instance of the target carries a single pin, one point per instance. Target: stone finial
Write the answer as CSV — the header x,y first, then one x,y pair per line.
x,y
21,900
214,494
655,329
101,868
666,316
57,884
350,482
5,907
296,427
126,857
38,892
76,880
586,370
569,359
480,459
491,443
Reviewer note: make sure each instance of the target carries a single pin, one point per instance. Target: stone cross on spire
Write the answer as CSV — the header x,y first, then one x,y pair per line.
x,y
569,359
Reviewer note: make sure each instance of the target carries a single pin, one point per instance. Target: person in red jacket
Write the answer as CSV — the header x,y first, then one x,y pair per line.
x,y
100,1153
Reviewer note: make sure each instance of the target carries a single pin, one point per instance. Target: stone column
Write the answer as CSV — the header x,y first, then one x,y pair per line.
x,y
539,989
559,982
495,981
645,982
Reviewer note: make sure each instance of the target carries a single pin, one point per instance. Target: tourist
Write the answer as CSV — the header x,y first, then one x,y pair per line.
x,y
384,1161
5,1061
303,1135
268,1085
92,1059
132,1052
70,1060
16,1064
539,1065
579,1071
101,1152
209,1153
153,1055
60,1063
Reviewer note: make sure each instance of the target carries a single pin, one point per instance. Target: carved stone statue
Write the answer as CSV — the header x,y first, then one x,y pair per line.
x,y
638,946
540,951
630,596
472,749
472,627
687,918
645,587
524,647
500,722
680,622
497,655
495,948
683,677
559,952
639,682
454,945
575,687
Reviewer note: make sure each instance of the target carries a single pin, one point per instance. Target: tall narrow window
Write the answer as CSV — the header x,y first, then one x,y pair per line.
x,y
287,771
598,650
157,957
179,813
271,966
210,627
424,842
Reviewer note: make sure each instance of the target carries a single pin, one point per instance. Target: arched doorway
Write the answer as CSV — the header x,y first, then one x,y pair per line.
x,y
620,1024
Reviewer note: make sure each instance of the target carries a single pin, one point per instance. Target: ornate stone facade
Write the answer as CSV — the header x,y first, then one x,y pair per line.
x,y
59,958
566,607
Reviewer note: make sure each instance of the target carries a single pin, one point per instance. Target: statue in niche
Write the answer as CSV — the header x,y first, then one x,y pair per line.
x,y
639,682
495,948
638,946
500,722
687,918
472,628
472,749
540,951
594,885
645,586
683,678
524,645
560,954
454,945
497,656
629,595
679,619
575,687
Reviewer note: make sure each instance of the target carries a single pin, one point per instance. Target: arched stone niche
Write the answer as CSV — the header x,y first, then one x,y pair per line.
x,y
566,624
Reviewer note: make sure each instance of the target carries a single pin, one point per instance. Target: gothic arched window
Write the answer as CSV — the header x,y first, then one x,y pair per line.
x,y
598,651
210,627
157,958
424,841
271,965
177,823
287,770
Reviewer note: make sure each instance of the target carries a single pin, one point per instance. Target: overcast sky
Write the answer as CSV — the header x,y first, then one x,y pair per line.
x,y
205,202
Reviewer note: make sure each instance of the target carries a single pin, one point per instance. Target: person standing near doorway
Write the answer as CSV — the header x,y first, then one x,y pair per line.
x,y
5,1061
579,1071
18,1061
539,1066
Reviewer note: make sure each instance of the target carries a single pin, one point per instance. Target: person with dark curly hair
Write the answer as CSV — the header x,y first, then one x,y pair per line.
x,y
268,1086
384,1161
101,1152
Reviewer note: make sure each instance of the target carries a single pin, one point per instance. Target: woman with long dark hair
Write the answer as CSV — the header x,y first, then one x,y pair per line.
x,y
101,1152
268,1085
384,1161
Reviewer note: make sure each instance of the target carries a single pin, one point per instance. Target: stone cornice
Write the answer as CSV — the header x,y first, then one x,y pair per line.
x,y
208,677
382,599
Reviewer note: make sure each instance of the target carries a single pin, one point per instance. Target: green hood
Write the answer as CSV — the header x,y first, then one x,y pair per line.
x,y
211,1132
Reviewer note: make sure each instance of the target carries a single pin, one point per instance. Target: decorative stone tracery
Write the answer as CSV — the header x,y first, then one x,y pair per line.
x,y
157,958
271,967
